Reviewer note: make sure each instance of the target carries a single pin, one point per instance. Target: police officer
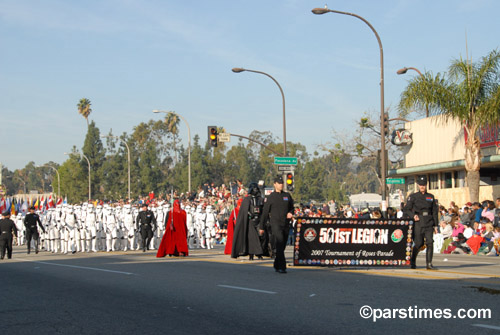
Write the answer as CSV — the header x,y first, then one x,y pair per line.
x,y
7,229
144,222
30,222
422,208
278,208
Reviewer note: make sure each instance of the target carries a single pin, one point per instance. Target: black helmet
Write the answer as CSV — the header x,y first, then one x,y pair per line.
x,y
253,189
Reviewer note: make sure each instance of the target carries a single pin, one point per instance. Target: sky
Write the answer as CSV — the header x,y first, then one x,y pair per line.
x,y
132,56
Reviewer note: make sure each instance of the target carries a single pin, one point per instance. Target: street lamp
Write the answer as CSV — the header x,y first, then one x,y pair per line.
x,y
58,178
239,70
403,71
383,154
189,143
24,183
90,194
128,156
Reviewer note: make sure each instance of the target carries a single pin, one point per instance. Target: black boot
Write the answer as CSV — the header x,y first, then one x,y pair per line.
x,y
250,257
428,257
29,251
413,260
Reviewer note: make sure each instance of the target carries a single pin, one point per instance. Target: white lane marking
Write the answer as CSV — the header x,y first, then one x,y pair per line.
x,y
465,262
86,268
78,267
312,295
247,289
486,326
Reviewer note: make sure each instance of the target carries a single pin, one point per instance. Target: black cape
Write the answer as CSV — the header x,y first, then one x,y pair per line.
x,y
246,238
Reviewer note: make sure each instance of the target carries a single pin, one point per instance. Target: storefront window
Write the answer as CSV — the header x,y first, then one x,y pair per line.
x,y
447,180
460,181
434,181
410,184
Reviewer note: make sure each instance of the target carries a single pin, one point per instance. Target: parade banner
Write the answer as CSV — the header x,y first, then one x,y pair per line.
x,y
352,242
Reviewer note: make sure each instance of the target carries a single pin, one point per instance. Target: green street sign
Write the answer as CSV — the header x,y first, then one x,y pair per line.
x,y
285,160
395,180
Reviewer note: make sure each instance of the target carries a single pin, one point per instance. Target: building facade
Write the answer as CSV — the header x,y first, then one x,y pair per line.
x,y
438,151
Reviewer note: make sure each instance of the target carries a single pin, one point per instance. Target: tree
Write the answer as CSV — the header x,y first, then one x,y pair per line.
x,y
172,123
94,150
469,94
84,108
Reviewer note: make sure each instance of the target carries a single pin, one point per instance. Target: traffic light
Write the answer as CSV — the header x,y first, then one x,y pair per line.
x,y
386,124
212,136
289,181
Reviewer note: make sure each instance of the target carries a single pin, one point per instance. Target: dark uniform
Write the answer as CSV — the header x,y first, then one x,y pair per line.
x,y
30,222
276,207
425,207
146,224
7,229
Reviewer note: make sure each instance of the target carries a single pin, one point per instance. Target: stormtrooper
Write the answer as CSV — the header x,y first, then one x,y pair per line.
x,y
46,225
200,218
101,235
190,228
82,215
54,232
59,225
211,224
155,240
129,228
20,229
91,229
77,210
111,226
70,230
160,219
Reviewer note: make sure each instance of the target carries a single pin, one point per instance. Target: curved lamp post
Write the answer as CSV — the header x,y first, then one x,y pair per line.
x,y
383,155
58,178
403,71
239,70
24,183
189,143
128,156
90,194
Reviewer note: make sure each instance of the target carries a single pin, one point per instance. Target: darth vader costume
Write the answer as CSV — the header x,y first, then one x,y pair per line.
x,y
246,239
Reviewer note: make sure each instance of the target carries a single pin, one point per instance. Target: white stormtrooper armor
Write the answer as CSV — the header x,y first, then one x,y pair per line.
x,y
129,228
154,241
111,225
70,230
120,230
160,221
45,219
200,218
101,234
54,233
210,226
79,232
21,230
59,217
91,229
190,227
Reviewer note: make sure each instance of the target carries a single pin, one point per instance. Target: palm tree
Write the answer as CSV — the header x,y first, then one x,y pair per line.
x,y
470,95
84,109
172,121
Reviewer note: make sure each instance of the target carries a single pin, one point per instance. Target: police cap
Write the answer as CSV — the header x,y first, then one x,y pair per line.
x,y
422,180
6,213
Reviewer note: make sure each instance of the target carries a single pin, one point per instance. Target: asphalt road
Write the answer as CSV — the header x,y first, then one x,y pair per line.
x,y
209,293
